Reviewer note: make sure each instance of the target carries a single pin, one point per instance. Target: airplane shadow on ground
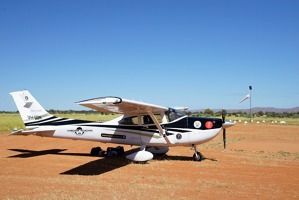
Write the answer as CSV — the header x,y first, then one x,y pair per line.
x,y
96,167
181,158
24,153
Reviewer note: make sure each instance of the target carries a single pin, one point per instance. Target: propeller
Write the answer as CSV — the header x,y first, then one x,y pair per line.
x,y
224,129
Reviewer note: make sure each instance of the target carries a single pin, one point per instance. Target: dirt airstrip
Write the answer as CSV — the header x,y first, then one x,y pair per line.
x,y
260,162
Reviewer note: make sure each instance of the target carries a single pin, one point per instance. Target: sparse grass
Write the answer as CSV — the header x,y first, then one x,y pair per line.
x,y
267,155
288,121
283,153
9,122
214,184
217,143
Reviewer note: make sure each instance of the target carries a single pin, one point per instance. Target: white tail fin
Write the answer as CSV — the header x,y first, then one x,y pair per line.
x,y
30,110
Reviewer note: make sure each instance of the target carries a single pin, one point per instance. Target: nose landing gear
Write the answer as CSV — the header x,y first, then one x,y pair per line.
x,y
197,156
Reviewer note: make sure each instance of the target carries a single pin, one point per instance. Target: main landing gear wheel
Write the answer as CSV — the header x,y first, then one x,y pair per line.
x,y
197,156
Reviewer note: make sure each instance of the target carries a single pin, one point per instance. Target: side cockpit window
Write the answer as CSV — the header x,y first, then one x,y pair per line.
x,y
146,119
129,121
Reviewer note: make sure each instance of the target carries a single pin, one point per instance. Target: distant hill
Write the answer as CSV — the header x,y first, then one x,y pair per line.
x,y
256,109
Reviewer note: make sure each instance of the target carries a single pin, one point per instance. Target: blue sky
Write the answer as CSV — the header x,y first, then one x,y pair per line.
x,y
200,54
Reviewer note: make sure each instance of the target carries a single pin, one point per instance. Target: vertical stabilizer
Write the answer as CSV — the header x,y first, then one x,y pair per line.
x,y
30,110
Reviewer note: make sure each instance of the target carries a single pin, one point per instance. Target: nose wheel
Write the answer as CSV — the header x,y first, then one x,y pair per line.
x,y
197,156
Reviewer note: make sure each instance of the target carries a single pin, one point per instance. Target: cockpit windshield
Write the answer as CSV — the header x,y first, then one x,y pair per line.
x,y
174,114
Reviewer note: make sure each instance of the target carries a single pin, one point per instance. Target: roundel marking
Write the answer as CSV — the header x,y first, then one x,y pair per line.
x,y
197,124
178,136
79,131
209,124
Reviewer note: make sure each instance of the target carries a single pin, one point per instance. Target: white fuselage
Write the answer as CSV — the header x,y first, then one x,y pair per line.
x,y
128,134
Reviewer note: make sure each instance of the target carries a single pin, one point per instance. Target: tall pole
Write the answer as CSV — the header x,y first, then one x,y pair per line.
x,y
250,88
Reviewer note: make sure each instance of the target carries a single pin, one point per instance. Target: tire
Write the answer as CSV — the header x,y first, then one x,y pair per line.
x,y
198,157
120,150
95,151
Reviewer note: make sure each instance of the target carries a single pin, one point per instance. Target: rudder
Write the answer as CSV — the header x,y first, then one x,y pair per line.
x,y
29,108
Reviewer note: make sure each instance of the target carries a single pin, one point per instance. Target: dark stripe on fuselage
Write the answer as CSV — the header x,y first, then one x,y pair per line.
x,y
58,122
177,130
75,122
177,126
53,117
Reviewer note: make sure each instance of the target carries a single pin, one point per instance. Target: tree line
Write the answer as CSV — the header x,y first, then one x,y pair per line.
x,y
210,113
206,113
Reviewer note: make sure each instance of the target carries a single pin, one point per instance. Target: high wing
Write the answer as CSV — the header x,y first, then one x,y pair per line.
x,y
121,106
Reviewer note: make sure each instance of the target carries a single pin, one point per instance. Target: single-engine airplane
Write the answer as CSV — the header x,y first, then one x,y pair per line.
x,y
153,128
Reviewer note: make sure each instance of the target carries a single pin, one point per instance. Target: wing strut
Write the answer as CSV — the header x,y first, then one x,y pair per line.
x,y
162,133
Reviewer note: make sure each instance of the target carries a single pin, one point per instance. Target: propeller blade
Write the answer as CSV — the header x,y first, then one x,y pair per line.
x,y
223,125
224,138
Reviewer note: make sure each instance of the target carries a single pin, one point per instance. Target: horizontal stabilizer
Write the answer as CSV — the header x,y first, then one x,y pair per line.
x,y
45,133
19,132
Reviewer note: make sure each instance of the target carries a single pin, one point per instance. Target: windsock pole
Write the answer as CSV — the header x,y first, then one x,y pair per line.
x,y
250,88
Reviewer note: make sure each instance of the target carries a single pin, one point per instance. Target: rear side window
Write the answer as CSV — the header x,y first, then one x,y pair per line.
x,y
146,119
129,121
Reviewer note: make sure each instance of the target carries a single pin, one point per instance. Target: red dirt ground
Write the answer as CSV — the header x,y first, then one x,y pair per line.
x,y
260,162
